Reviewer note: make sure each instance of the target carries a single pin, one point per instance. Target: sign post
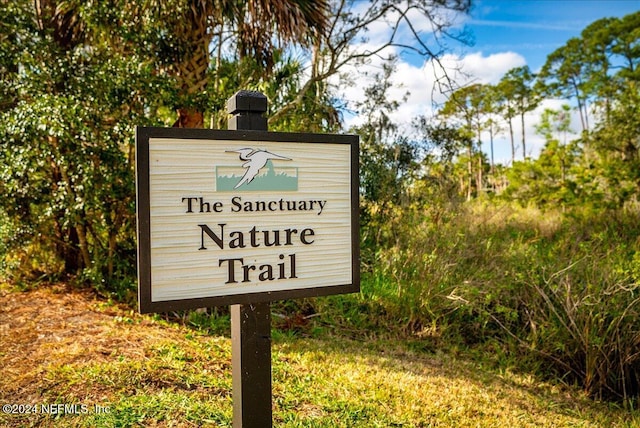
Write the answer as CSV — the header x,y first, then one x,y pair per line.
x,y
243,217
250,323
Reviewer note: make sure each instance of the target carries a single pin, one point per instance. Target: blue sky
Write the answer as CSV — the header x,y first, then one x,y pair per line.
x,y
535,28
506,34
532,29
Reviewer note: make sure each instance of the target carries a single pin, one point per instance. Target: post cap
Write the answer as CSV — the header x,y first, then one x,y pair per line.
x,y
247,101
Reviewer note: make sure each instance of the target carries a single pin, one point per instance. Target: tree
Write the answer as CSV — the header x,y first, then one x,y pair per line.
x,y
565,76
554,126
491,107
600,70
611,165
185,30
345,44
544,181
78,76
518,97
467,107
611,56
388,158
66,148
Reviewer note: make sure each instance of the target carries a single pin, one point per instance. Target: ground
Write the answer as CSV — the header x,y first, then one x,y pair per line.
x,y
61,346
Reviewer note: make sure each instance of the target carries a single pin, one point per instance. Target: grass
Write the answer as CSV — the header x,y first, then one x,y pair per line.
x,y
61,345
559,290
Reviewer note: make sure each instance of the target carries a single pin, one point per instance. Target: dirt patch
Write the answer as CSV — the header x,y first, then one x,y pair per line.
x,y
59,326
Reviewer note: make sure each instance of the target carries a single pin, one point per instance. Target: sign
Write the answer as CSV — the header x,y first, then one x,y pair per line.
x,y
233,217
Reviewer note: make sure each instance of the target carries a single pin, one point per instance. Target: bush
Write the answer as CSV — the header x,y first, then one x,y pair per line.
x,y
557,286
581,304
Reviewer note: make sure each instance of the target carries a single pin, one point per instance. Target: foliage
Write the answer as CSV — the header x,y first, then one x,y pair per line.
x,y
595,67
388,163
599,72
582,305
551,179
552,278
67,153
539,257
147,372
515,96
561,288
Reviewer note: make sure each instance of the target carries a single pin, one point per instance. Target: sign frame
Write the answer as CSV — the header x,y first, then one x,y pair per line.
x,y
143,216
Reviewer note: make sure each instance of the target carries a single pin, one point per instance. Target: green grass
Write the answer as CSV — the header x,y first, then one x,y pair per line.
x,y
559,291
493,316
330,383
151,373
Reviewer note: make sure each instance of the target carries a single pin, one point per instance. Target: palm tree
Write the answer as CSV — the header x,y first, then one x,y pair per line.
x,y
62,19
255,24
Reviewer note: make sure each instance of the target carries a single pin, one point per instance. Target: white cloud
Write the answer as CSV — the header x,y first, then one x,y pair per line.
x,y
490,69
420,81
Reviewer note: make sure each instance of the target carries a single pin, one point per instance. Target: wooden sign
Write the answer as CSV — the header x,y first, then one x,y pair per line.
x,y
229,217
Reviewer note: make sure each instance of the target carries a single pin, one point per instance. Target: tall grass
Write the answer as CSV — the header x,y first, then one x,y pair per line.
x,y
583,305
554,288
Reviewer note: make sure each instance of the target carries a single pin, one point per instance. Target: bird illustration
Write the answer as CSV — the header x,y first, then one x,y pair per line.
x,y
256,160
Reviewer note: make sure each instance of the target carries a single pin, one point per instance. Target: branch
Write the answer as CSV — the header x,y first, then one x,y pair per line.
x,y
333,49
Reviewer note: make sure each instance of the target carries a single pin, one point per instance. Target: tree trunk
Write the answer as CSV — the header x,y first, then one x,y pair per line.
x,y
479,172
70,252
524,145
189,118
492,172
191,70
81,230
513,142
470,171
479,175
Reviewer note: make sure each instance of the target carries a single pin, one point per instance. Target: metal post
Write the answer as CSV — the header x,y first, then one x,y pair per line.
x,y
250,323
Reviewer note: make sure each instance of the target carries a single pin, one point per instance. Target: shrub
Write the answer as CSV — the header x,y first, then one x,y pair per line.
x,y
581,304
563,287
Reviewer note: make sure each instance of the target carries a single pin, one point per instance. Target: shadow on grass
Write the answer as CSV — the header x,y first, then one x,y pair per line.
x,y
68,347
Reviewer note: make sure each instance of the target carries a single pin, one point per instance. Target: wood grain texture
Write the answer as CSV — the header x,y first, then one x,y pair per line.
x,y
186,168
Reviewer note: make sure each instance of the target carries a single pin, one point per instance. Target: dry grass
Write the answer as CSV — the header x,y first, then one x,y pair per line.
x,y
67,346
54,327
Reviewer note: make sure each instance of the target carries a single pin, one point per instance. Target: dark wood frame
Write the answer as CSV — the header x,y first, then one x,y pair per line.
x,y
143,134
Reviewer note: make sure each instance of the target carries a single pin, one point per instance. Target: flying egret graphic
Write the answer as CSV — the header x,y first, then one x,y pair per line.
x,y
256,160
